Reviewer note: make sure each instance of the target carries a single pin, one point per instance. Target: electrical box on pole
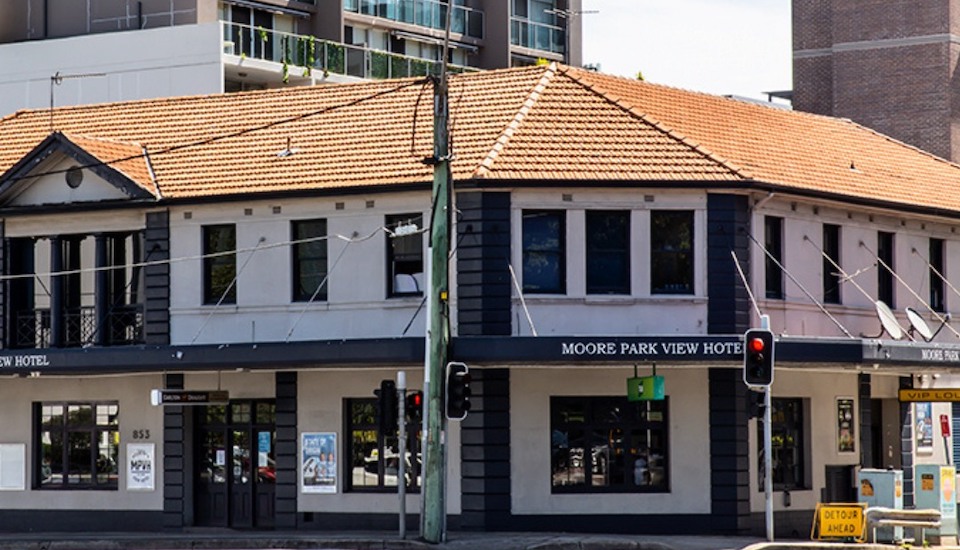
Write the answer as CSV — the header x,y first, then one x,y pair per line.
x,y
758,359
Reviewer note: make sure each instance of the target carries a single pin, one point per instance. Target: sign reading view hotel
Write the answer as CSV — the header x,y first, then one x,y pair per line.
x,y
661,349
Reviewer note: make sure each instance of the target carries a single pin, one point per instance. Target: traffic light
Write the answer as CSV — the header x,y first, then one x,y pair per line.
x,y
758,357
458,391
387,407
415,406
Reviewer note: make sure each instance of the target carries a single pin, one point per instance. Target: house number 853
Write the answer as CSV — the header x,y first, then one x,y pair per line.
x,y
141,434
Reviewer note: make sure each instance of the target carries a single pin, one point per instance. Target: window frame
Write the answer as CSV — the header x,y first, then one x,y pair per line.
x,y
593,252
831,235
685,253
94,429
798,429
591,425
413,426
391,222
222,259
530,249
302,254
886,245
773,243
937,260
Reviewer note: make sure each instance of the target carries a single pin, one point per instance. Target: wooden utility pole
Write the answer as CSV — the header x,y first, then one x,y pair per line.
x,y
433,508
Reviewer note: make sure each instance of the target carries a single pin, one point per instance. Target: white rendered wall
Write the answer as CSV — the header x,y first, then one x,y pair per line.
x,y
136,413
162,62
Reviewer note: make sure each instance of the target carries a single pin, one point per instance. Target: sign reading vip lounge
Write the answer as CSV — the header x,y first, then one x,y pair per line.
x,y
929,395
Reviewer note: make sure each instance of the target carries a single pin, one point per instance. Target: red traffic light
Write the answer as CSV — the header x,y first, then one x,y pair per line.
x,y
415,400
757,345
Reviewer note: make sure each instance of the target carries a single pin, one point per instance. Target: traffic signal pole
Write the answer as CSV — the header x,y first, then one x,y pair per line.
x,y
767,448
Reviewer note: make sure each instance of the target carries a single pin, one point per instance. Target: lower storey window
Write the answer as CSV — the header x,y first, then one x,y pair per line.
x,y
78,445
787,444
374,457
608,444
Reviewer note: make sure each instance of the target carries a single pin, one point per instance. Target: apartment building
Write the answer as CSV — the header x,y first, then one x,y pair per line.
x,y
891,66
65,52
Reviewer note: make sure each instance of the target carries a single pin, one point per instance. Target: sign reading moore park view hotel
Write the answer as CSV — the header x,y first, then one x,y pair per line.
x,y
665,348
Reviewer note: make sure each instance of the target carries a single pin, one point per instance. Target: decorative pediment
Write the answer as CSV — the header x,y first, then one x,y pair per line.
x,y
67,169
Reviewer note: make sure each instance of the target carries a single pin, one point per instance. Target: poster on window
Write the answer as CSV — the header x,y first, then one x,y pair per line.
x,y
923,426
846,429
140,467
318,464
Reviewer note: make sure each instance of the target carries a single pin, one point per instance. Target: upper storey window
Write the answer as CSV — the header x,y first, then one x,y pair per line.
x,y
220,264
608,252
425,13
831,273
773,259
309,260
544,252
404,256
885,267
671,252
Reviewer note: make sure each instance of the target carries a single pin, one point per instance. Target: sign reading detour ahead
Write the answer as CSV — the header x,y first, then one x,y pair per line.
x,y
924,396
839,521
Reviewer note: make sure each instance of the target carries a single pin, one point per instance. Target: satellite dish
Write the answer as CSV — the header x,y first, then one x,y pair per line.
x,y
888,321
919,325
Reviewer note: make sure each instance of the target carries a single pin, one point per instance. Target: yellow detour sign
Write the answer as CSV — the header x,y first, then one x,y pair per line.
x,y
839,521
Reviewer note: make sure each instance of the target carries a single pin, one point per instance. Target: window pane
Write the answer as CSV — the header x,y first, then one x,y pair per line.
x,y
405,257
786,444
310,260
219,269
213,462
215,414
107,415
365,456
108,457
831,274
773,242
543,252
51,416
51,459
607,444
79,415
375,460
240,412
80,467
884,275
266,413
937,274
671,250
608,252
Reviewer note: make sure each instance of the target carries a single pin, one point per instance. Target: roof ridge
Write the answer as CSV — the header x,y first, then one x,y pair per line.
x,y
503,139
670,132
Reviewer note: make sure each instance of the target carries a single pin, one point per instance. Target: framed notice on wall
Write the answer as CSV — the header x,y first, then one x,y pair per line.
x,y
318,462
846,426
923,427
141,467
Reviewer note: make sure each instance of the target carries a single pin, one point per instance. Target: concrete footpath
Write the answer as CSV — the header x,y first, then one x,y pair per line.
x,y
226,539
378,540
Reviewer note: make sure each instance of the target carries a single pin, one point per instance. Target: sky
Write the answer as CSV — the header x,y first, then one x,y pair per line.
x,y
723,47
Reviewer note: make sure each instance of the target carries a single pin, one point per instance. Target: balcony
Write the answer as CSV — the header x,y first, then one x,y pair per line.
x,y
425,13
301,56
122,326
537,36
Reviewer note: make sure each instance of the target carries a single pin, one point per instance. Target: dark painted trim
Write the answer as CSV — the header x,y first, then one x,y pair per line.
x,y
285,515
638,524
371,353
483,264
906,444
865,409
729,452
156,278
485,483
73,521
728,227
174,472
332,521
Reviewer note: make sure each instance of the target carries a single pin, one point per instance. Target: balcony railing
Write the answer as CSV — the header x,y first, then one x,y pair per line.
x,y
425,13
537,36
301,55
122,326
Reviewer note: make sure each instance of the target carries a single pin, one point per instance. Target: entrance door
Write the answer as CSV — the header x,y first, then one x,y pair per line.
x,y
236,475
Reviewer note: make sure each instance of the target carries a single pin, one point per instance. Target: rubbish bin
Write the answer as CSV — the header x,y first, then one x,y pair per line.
x,y
882,488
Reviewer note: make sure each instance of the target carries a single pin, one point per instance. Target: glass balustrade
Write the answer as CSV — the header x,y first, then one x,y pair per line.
x,y
305,54
425,13
537,36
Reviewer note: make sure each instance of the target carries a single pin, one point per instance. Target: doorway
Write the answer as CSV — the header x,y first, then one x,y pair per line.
x,y
235,483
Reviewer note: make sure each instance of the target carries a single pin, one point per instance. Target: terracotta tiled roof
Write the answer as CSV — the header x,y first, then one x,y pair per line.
x,y
533,124
127,158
